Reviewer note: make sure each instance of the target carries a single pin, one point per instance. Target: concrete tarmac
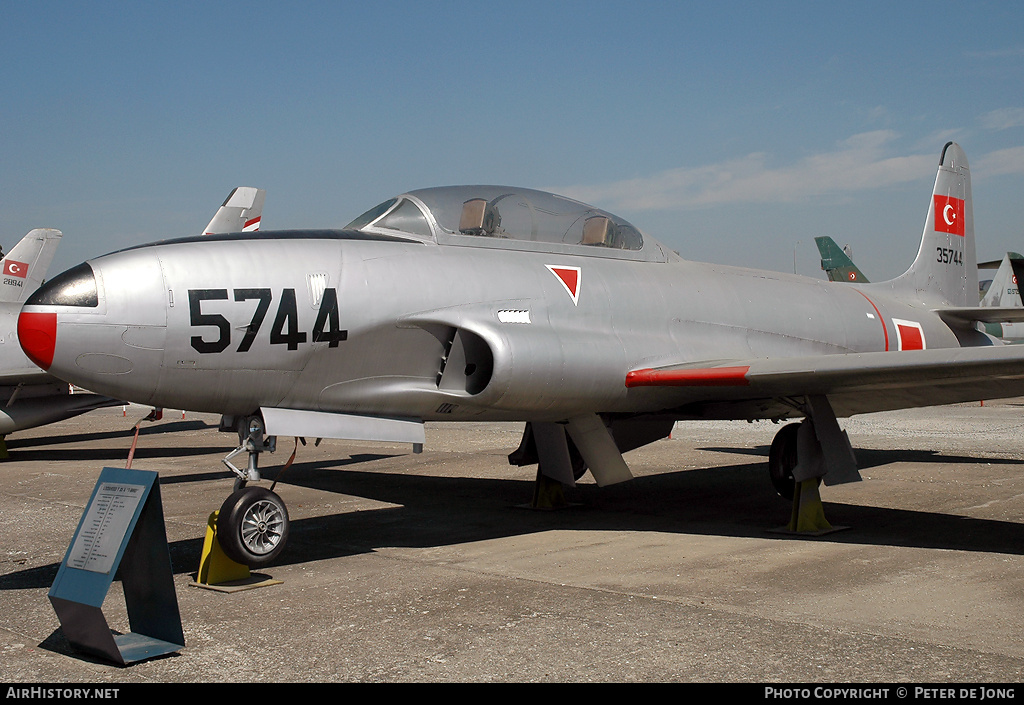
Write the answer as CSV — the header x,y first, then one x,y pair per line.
x,y
425,568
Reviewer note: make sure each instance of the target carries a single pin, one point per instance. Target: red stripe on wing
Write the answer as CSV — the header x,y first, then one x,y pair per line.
x,y
705,377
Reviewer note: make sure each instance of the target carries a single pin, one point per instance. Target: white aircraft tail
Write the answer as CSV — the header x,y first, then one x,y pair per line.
x,y
240,212
24,268
1004,290
946,269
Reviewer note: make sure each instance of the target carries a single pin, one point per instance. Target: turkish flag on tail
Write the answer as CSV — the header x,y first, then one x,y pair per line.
x,y
949,215
15,269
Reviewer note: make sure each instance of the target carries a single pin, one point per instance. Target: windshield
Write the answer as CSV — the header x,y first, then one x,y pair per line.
x,y
371,215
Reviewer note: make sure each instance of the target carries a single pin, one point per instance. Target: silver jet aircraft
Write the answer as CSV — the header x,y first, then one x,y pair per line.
x,y
480,303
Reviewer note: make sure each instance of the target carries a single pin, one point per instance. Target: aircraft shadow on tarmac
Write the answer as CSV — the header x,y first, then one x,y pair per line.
x,y
725,500
52,448
872,458
117,457
269,474
732,500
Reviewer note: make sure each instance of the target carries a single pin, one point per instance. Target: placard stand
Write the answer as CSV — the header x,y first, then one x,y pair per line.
x,y
121,536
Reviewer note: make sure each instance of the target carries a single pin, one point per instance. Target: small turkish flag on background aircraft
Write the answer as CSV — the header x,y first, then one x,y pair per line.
x,y
15,269
949,215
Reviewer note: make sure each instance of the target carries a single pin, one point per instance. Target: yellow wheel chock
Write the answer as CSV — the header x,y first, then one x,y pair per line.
x,y
214,567
808,515
548,493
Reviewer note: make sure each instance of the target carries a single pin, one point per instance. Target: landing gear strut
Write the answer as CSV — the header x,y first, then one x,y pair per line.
x,y
251,440
252,526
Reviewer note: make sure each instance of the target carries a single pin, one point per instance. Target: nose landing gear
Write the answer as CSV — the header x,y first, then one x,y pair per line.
x,y
252,526
251,440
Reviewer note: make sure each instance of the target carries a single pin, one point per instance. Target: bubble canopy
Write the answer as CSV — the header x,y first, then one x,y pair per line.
x,y
476,214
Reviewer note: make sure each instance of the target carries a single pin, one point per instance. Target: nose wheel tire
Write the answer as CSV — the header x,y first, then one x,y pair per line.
x,y
252,526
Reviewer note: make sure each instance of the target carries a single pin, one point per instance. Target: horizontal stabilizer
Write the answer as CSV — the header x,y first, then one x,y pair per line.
x,y
960,315
321,424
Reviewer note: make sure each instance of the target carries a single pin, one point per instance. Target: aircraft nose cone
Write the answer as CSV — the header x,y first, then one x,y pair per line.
x,y
37,333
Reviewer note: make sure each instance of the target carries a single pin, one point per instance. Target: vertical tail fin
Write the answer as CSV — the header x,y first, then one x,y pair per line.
x,y
1004,291
240,212
946,268
836,263
24,268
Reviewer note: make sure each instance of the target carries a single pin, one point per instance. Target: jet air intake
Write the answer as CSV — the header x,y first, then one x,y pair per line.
x,y
467,364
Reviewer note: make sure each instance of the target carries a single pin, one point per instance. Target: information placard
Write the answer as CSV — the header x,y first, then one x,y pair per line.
x,y
105,526
121,535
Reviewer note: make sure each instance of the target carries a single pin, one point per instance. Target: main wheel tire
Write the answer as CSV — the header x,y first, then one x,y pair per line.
x,y
252,527
782,458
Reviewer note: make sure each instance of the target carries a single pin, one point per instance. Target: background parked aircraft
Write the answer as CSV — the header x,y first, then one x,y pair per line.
x,y
1004,291
241,212
29,396
836,262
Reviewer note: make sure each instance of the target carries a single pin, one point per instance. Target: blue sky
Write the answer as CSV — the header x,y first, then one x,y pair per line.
x,y
734,132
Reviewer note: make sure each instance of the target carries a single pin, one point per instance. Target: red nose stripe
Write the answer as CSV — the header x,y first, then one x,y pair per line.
x,y
37,333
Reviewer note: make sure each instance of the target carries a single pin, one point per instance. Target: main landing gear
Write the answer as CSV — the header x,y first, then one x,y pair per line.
x,y
805,453
252,526
782,460
808,515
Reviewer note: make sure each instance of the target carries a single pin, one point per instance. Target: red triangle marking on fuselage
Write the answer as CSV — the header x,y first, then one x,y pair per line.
x,y
570,278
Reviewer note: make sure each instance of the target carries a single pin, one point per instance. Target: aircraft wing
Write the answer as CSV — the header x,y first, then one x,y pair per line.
x,y
854,383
